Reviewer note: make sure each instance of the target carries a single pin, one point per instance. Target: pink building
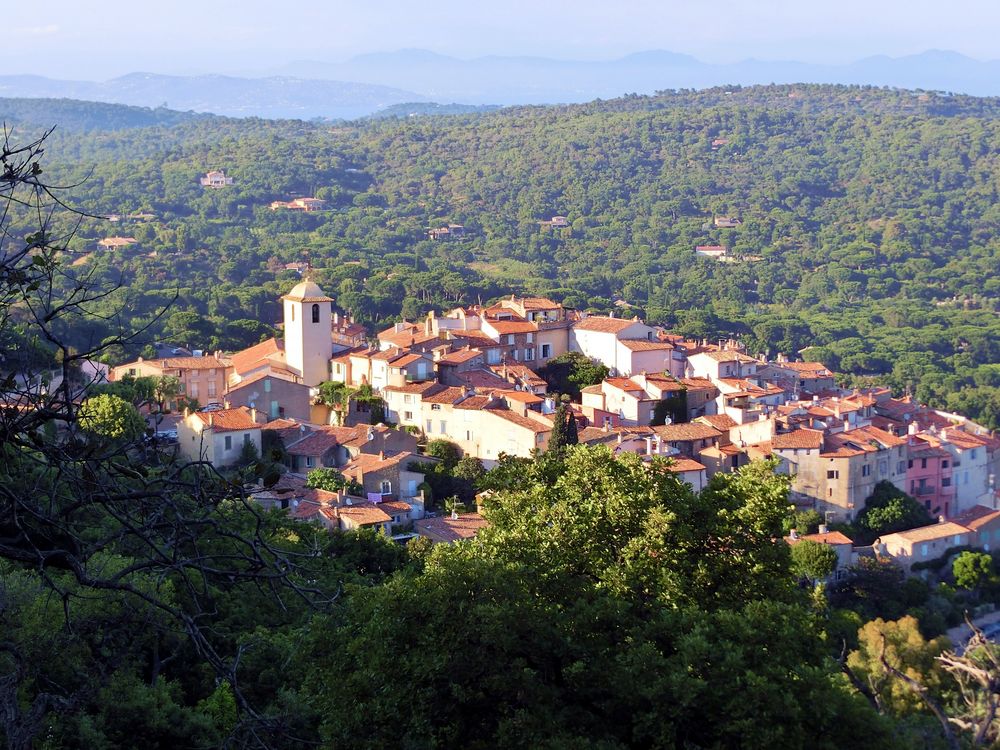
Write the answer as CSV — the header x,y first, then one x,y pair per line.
x,y
929,474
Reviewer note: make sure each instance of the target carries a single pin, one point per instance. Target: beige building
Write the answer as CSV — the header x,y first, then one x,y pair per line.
x,y
218,437
202,379
836,473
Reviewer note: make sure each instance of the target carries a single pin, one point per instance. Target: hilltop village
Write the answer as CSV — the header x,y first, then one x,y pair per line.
x,y
470,376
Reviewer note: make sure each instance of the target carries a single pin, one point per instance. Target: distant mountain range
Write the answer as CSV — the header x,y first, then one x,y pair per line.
x,y
374,82
272,96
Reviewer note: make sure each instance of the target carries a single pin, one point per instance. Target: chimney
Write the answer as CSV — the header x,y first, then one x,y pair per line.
x,y
253,414
824,529
225,403
381,455
140,359
187,412
211,419
649,446
454,515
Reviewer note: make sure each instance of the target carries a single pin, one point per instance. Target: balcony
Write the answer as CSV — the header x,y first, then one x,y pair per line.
x,y
922,491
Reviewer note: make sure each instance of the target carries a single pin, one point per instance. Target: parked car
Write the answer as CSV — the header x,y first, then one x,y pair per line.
x,y
214,406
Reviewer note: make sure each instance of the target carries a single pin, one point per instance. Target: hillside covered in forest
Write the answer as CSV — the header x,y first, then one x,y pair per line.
x,y
860,222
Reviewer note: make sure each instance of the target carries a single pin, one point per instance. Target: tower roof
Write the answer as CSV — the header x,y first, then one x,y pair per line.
x,y
307,291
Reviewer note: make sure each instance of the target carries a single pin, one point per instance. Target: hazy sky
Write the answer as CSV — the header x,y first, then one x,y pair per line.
x,y
70,38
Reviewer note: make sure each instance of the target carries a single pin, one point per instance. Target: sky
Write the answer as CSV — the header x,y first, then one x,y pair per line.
x,y
95,41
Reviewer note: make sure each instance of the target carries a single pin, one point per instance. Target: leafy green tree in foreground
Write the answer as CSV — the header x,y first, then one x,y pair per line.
x,y
813,560
607,607
890,509
111,417
973,570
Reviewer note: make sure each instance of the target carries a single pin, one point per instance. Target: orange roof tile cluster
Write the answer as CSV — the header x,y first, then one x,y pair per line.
x,y
976,517
447,395
527,423
459,357
858,441
721,422
686,431
227,420
447,529
830,537
642,345
798,439
603,325
252,358
681,465
362,514
504,327
483,380
624,384
313,444
929,533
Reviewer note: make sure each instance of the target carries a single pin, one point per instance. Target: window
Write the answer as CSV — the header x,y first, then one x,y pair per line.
x,y
923,550
517,355
468,434
131,371
194,390
429,425
408,416
973,454
493,356
435,407
944,464
444,427
833,474
385,487
909,464
529,354
407,399
546,351
211,388
275,409
866,470
228,442
510,338
901,468
923,463
267,385
310,461
946,481
315,313
531,338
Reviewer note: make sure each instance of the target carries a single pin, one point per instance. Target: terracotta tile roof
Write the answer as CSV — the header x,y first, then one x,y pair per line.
x,y
482,380
603,325
250,359
503,327
227,420
361,514
313,444
407,337
447,529
721,422
726,356
526,422
803,438
929,533
426,388
473,402
624,384
368,462
194,363
686,431
537,303
698,384
592,389
642,345
519,371
594,435
459,357
406,359
859,440
524,397
831,537
680,465
976,517
447,395
481,338
806,369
